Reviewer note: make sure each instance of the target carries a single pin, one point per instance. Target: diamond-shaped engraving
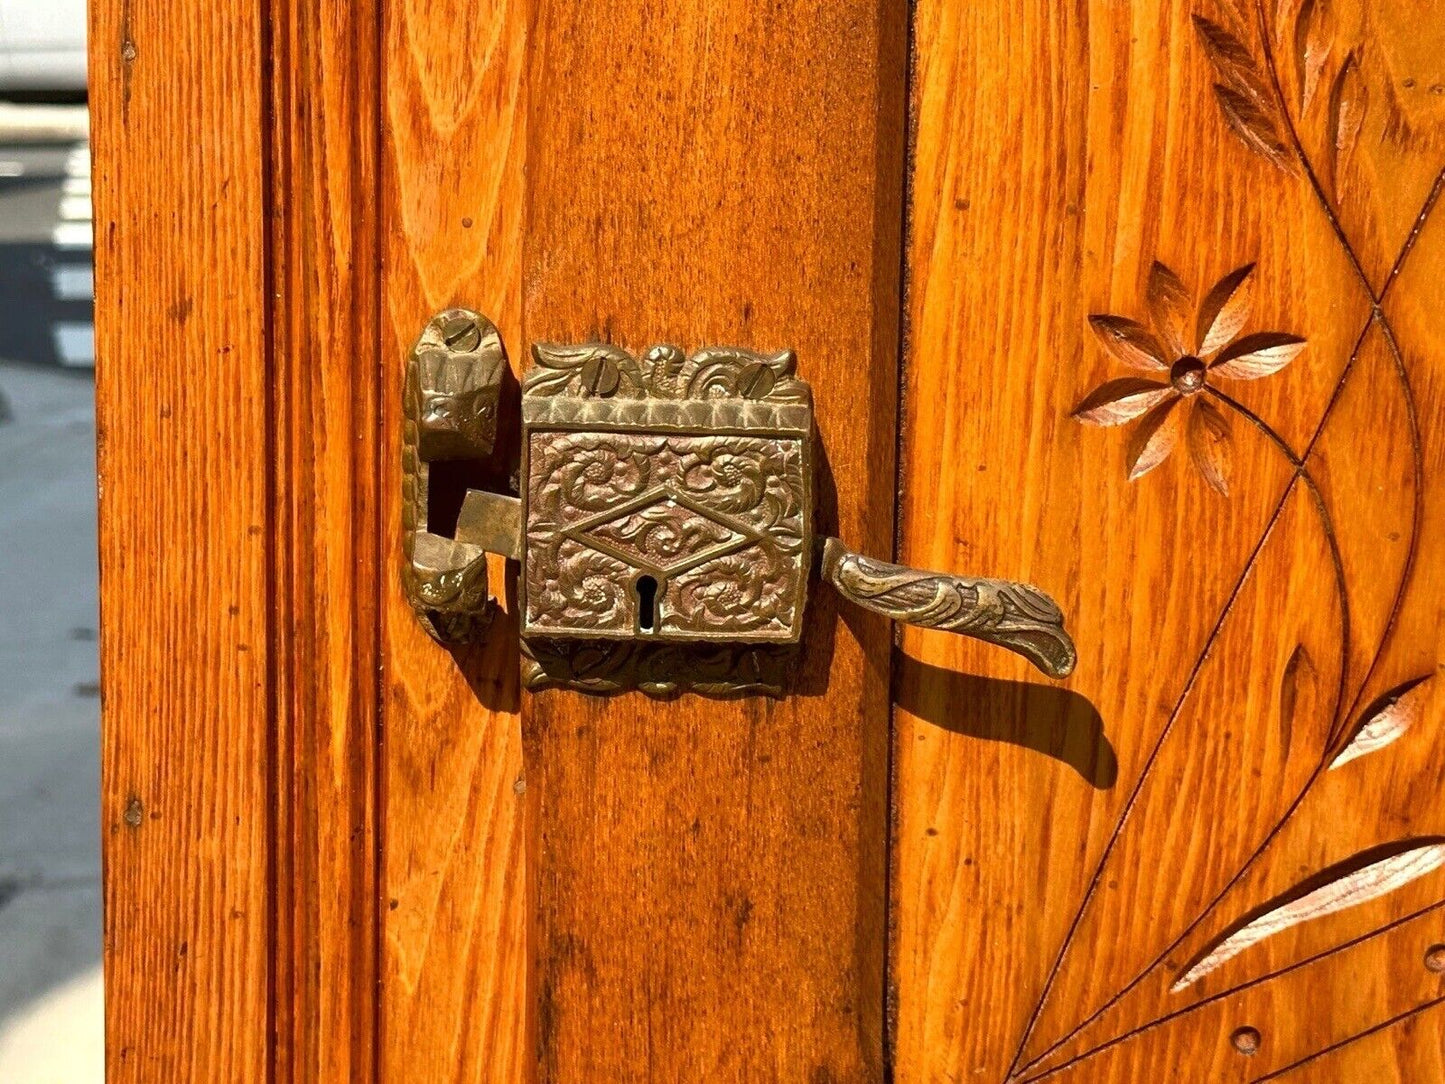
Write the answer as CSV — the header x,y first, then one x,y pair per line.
x,y
664,532
718,524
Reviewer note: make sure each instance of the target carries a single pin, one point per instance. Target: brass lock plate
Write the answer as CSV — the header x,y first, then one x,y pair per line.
x,y
666,499
665,521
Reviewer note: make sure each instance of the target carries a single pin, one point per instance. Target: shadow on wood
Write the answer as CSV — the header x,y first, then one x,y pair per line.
x,y
1045,718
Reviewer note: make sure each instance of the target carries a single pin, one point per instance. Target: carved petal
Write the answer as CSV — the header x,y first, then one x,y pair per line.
x,y
1121,400
1154,439
1231,59
1258,355
1129,342
1225,310
1386,720
1312,41
1357,880
1348,98
1170,306
1209,444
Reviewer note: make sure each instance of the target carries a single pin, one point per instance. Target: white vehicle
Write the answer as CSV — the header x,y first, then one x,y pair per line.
x,y
42,45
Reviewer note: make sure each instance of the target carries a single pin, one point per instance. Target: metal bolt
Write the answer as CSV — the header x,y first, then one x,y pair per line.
x,y
600,375
1246,1041
1435,958
756,381
463,336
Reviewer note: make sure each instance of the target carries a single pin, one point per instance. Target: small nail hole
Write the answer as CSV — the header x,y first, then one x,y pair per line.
x,y
1435,958
1246,1041
646,603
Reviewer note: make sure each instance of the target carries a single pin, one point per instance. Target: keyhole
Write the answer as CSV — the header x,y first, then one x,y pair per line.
x,y
646,603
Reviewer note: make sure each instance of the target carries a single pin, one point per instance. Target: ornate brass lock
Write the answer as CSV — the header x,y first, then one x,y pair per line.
x,y
664,520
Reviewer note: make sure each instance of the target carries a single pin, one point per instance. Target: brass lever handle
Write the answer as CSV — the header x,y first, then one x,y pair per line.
x,y
1016,616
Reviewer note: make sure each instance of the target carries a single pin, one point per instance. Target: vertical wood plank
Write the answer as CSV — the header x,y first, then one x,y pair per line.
x,y
182,400
1063,855
325,268
711,874
455,1002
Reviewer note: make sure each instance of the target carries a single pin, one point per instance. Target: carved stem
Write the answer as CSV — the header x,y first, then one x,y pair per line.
x,y
1016,616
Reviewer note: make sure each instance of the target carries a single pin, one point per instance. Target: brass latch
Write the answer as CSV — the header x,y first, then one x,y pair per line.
x,y
664,523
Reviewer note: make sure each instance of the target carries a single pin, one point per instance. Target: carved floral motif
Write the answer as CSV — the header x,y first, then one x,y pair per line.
x,y
1186,350
1251,92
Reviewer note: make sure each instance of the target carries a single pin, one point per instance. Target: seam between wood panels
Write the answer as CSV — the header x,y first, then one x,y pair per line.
x,y
377,736
270,442
905,234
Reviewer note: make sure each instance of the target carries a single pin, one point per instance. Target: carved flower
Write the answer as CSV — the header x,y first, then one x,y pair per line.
x,y
1187,349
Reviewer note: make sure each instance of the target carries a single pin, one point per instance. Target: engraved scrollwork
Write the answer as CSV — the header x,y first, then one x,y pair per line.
x,y
740,592
661,670
718,521
604,371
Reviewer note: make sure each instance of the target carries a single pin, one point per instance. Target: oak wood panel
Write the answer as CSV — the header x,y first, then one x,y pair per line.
x,y
456,1002
1230,646
710,874
1401,1052
324,271
1293,1017
183,431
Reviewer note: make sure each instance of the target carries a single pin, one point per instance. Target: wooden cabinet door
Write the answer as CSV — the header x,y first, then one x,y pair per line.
x,y
1137,302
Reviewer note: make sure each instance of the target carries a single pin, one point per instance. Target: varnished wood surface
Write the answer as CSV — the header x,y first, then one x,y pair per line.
x,y
186,579
1064,858
329,573
330,853
456,1001
710,874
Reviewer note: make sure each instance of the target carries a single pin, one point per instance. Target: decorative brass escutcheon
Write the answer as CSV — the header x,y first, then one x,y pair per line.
x,y
664,520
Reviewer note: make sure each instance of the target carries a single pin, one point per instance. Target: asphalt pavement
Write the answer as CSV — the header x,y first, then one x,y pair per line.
x,y
50,1002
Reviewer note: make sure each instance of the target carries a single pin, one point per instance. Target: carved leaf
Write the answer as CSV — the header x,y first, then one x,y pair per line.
x,y
1210,444
1129,342
1122,400
1170,307
1225,310
1385,721
1352,882
1258,355
1281,23
1244,95
1313,38
1231,59
1348,99
1154,439
1299,676
1253,125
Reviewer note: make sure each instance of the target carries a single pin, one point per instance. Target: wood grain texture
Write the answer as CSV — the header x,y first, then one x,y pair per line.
x,y
1052,884
456,1002
324,272
1402,1051
710,874
182,399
